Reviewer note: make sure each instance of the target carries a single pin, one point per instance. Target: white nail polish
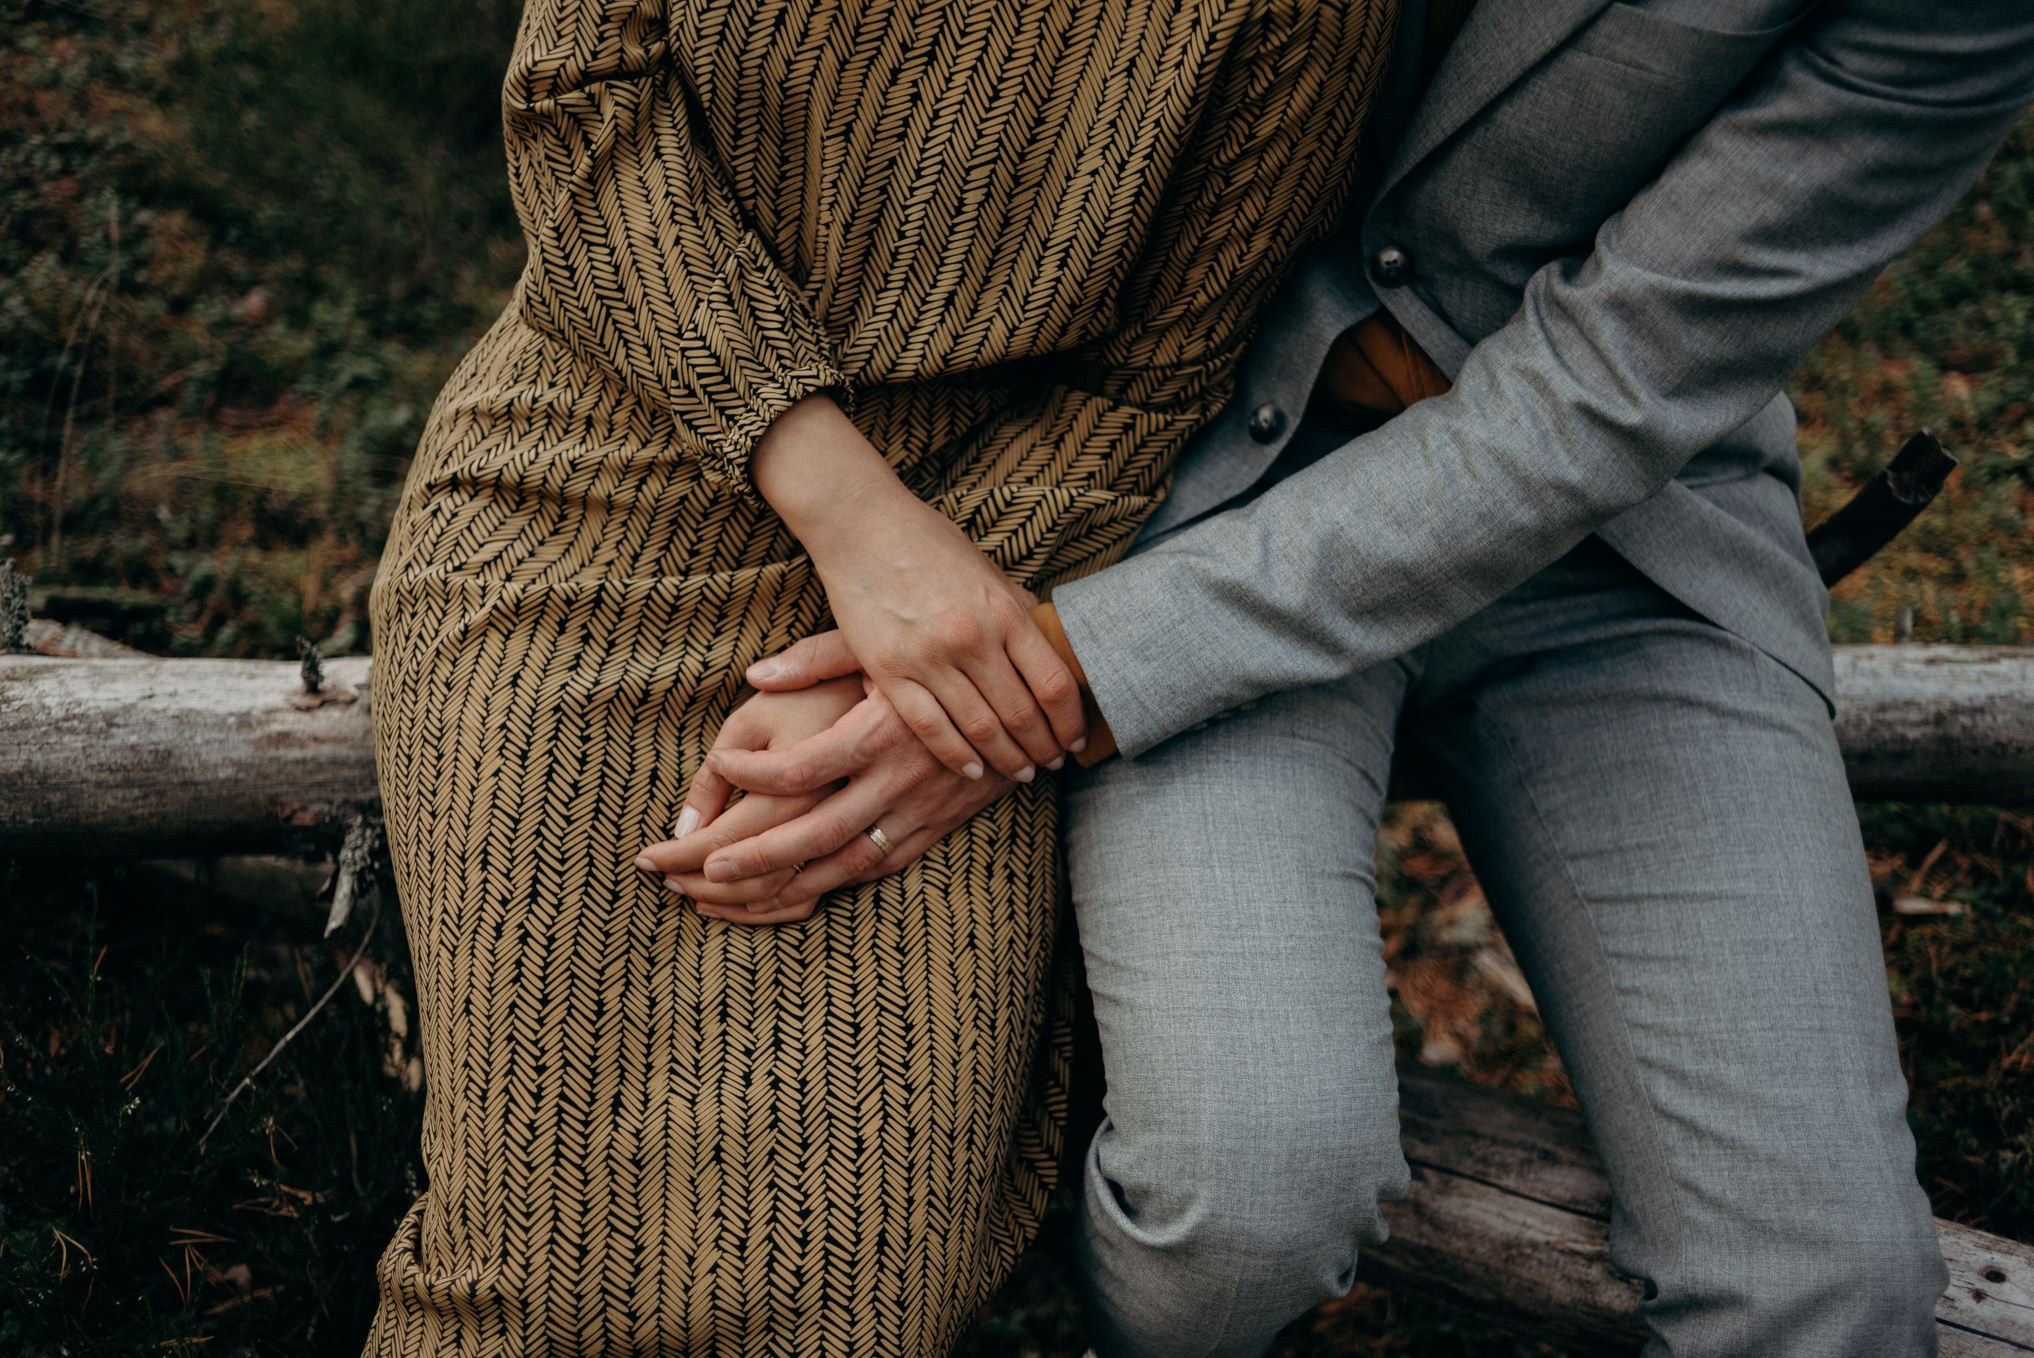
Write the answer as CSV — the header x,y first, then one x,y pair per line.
x,y
971,770
688,821
1025,774
1056,763
675,885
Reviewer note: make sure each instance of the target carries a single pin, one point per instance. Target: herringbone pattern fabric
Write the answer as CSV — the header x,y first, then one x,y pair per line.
x,y
1026,239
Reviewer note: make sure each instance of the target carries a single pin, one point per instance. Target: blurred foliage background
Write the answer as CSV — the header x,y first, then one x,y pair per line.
x,y
242,243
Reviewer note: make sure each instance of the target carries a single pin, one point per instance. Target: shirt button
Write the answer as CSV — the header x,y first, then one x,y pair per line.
x,y
1267,422
1391,266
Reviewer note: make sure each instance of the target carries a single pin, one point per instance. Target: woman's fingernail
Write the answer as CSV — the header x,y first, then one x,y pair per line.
x,y
971,770
765,907
1056,762
764,669
646,864
673,884
1078,745
687,822
722,870
1025,774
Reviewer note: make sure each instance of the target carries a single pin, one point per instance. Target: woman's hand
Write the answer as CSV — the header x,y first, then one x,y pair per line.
x,y
765,721
941,631
823,794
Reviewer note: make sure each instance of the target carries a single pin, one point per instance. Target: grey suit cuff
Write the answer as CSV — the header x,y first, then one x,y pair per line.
x,y
1137,646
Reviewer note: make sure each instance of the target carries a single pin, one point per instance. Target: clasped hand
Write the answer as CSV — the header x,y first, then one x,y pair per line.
x,y
932,621
821,756
937,691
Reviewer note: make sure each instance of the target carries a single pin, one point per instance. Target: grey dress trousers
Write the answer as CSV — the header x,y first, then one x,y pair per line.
x,y
1658,815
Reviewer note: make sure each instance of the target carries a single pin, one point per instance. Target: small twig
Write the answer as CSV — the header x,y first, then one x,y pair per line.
x,y
247,1081
313,667
65,1245
315,694
183,1290
13,609
353,869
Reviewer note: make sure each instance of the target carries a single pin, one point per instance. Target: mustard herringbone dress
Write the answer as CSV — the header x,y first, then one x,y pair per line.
x,y
1026,239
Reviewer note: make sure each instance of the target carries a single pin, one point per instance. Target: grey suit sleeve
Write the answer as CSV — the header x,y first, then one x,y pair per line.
x,y
1696,303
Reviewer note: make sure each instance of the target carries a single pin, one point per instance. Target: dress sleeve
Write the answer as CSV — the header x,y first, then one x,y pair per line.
x,y
641,266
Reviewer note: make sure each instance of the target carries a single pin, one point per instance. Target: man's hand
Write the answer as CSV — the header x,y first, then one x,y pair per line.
x,y
819,797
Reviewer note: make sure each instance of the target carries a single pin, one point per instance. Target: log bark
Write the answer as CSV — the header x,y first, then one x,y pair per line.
x,y
178,758
1915,724
188,758
1937,723
1509,1215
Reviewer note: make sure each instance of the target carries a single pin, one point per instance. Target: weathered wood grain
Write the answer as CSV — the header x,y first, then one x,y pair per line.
x,y
1509,1215
194,757
1937,723
176,758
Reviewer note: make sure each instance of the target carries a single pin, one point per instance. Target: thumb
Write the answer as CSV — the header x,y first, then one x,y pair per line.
x,y
811,661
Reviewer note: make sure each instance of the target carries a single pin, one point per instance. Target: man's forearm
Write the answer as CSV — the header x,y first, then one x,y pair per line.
x,y
1698,301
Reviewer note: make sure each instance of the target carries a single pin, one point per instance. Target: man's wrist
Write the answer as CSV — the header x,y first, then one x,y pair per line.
x,y
1101,741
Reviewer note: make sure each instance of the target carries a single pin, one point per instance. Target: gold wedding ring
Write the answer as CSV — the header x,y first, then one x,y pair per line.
x,y
881,840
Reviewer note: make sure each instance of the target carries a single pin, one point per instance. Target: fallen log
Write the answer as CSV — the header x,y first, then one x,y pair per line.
x,y
1937,723
193,758
1509,1216
179,758
1915,723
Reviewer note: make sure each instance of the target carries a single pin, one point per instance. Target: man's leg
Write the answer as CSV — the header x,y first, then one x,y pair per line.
x,y
1224,888
1659,816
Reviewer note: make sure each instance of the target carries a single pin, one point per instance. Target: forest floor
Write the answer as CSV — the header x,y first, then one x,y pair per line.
x,y
221,324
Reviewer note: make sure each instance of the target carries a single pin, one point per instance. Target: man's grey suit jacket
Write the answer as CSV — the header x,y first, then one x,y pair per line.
x,y
1619,228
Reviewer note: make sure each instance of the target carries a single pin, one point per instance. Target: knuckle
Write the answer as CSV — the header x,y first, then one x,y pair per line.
x,y
1017,715
864,749
890,733
1057,687
964,634
981,728
832,832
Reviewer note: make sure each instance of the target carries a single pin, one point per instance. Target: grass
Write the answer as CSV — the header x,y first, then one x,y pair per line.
x,y
241,245
135,1005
